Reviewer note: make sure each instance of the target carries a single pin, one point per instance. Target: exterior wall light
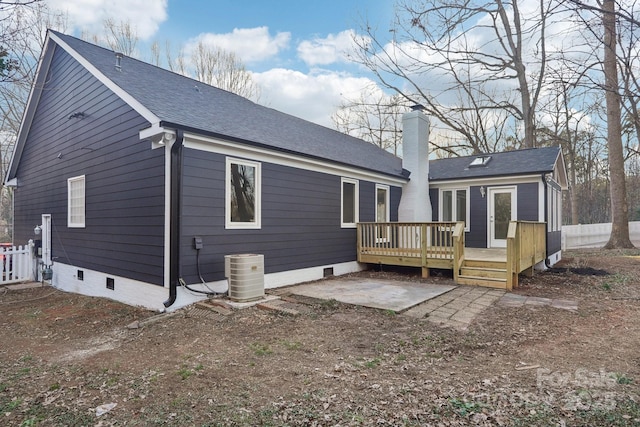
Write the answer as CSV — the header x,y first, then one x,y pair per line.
x,y
37,230
482,192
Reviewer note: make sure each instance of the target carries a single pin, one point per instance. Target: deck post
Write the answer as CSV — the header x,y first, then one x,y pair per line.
x,y
423,254
359,241
458,249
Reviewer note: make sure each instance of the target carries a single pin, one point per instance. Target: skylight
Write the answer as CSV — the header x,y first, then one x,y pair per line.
x,y
480,161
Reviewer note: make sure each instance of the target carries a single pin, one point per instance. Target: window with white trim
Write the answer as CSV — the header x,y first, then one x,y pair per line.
x,y
382,203
349,206
242,194
76,202
382,212
454,206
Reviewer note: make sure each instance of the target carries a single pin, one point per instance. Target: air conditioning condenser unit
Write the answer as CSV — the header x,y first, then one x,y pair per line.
x,y
245,273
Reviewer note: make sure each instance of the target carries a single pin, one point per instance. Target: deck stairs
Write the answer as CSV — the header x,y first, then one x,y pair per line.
x,y
491,274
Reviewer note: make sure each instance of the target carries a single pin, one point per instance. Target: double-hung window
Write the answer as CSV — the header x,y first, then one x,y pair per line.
x,y
243,189
76,202
349,208
454,206
382,212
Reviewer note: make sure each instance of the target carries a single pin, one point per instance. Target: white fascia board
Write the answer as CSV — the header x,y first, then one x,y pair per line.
x,y
230,148
506,180
125,96
561,172
159,136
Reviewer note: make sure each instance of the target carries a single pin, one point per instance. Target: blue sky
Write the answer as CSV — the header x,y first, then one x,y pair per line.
x,y
294,48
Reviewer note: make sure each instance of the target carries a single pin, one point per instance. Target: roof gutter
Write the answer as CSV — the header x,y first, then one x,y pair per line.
x,y
175,198
401,174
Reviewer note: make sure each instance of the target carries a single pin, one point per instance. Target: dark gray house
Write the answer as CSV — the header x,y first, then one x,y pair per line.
x,y
490,190
123,164
142,181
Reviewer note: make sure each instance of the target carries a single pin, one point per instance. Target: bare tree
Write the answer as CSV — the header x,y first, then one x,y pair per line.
x,y
619,210
223,69
121,36
176,63
10,35
610,14
374,117
486,57
27,29
566,128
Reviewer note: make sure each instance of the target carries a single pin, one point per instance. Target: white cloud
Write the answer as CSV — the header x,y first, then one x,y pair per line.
x,y
88,15
250,44
314,97
333,48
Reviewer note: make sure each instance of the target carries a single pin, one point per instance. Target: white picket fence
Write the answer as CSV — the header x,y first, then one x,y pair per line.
x,y
594,235
18,264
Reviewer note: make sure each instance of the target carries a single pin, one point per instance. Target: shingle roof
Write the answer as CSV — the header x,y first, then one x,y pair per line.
x,y
519,162
187,103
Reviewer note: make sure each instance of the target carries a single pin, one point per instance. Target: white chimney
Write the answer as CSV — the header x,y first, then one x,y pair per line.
x,y
415,205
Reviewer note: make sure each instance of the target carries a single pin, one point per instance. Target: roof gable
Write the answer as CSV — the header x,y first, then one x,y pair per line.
x,y
176,100
518,162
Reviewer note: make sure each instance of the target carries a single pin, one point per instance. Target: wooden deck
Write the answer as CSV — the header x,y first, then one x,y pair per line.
x,y
441,245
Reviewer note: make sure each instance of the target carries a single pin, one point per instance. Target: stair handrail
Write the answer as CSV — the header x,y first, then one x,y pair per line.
x,y
458,249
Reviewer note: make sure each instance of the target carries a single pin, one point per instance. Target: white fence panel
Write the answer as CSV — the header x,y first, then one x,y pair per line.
x,y
17,264
594,235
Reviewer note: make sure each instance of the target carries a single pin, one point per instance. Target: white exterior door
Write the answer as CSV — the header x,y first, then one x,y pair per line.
x,y
502,210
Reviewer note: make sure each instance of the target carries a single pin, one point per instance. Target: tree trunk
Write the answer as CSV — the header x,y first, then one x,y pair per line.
x,y
619,211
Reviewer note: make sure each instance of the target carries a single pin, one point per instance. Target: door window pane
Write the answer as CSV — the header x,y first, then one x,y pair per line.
x,y
502,212
461,205
447,205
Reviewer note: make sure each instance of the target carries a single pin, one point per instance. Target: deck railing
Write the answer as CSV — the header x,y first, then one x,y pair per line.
x,y
430,244
441,245
526,246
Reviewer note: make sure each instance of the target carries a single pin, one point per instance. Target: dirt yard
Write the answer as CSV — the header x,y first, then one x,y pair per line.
x,y
71,360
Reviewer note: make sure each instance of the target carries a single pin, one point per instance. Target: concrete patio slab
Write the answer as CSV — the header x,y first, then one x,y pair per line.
x,y
26,285
375,293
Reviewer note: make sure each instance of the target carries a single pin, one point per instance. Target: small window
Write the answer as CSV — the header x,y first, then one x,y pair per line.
x,y
242,194
480,161
454,206
382,203
349,216
76,202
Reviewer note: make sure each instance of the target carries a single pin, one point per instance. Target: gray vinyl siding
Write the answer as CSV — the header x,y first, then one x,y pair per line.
x,y
124,178
434,196
367,202
554,242
477,235
394,200
300,221
528,202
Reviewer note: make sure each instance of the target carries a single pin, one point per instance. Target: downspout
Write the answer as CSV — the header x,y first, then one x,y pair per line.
x,y
174,220
546,221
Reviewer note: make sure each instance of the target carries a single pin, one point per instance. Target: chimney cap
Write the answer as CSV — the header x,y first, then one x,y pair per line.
x,y
417,107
